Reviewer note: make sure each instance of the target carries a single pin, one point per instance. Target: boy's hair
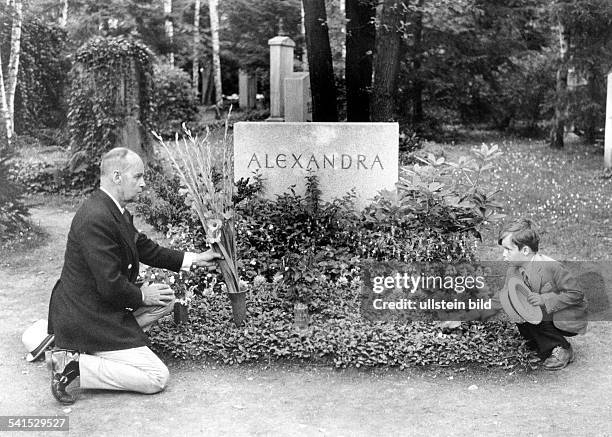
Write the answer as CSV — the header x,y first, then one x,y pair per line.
x,y
523,232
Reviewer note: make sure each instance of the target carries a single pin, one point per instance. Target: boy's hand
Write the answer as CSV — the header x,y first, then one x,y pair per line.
x,y
535,299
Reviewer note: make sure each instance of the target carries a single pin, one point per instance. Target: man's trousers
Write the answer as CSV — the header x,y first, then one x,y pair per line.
x,y
136,369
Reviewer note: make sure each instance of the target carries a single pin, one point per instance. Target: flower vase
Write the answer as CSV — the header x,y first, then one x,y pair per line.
x,y
238,301
181,313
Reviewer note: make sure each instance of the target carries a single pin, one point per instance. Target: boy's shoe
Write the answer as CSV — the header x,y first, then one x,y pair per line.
x,y
64,370
559,358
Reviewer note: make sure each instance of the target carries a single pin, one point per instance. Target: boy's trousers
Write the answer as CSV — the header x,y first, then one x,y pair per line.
x,y
544,337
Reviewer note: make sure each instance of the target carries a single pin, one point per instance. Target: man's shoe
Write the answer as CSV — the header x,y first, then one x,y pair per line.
x,y
559,358
64,370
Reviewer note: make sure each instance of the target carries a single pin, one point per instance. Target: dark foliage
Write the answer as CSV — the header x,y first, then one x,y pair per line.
x,y
13,213
173,98
42,77
101,79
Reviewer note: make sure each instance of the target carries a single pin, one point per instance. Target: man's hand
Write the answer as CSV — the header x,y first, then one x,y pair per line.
x,y
206,259
535,299
157,294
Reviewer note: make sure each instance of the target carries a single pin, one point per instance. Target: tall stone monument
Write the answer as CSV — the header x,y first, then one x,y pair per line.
x,y
247,90
281,64
298,100
608,133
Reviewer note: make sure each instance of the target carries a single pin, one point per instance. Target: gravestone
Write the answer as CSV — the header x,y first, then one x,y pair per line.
x,y
298,101
608,132
363,156
247,90
131,133
126,82
281,64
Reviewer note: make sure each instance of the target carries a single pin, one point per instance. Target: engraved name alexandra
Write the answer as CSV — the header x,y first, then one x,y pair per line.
x,y
312,161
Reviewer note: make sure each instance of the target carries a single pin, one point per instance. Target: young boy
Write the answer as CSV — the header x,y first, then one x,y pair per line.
x,y
552,287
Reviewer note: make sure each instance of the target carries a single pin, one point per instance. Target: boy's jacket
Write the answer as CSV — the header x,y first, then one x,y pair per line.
x,y
564,301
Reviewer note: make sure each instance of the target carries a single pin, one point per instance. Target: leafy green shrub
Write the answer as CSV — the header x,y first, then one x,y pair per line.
x,y
174,100
35,177
44,177
164,203
269,231
42,72
42,77
12,211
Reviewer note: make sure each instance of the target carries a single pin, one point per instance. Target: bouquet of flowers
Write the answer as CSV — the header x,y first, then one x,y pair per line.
x,y
210,195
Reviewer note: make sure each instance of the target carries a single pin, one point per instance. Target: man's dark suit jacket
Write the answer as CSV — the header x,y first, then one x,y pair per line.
x,y
90,307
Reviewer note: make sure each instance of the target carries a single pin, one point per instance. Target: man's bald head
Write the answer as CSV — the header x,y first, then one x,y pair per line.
x,y
122,174
118,158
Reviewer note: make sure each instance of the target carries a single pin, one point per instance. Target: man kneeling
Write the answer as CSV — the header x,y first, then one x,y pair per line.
x,y
97,312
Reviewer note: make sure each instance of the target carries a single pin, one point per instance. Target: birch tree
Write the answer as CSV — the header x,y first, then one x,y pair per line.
x,y
169,27
13,64
196,45
214,30
6,118
558,124
63,21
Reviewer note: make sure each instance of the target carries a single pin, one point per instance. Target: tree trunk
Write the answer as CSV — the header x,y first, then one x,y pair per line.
x,y
169,27
195,74
207,83
417,53
360,38
13,65
558,125
63,21
6,118
303,32
593,88
386,61
214,30
322,82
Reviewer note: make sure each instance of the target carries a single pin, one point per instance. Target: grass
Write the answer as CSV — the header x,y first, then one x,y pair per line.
x,y
563,191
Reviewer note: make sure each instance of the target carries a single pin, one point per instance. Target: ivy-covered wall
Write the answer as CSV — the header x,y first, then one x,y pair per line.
x,y
110,102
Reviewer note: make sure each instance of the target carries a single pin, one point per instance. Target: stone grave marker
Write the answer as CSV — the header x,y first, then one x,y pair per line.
x,y
281,64
247,90
363,156
298,101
